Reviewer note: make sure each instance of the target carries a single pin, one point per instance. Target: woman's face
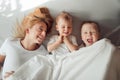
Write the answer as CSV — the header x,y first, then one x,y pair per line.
x,y
38,32
89,33
64,27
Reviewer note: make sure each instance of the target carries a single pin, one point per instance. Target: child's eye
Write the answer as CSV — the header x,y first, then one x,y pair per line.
x,y
94,32
69,27
63,27
85,32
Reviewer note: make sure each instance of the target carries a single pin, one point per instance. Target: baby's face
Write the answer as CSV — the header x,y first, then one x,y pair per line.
x,y
89,33
64,27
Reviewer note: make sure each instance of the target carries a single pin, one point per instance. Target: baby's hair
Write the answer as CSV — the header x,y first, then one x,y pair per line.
x,y
90,22
64,15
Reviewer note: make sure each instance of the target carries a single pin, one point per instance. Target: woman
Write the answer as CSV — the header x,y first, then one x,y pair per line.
x,y
27,41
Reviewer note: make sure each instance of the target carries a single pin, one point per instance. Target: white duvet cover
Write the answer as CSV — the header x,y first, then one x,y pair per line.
x,y
88,63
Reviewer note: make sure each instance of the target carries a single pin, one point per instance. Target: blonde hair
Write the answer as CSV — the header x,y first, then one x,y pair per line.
x,y
38,15
64,15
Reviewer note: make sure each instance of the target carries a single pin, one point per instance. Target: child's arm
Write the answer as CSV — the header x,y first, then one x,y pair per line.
x,y
70,45
7,74
54,45
2,58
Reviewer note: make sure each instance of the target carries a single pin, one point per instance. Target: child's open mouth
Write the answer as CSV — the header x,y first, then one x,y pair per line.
x,y
90,40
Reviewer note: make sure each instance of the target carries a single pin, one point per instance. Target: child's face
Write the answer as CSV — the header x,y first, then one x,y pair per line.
x,y
89,33
64,27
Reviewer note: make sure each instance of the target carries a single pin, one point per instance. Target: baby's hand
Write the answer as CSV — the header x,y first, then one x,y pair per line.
x,y
60,39
65,39
7,74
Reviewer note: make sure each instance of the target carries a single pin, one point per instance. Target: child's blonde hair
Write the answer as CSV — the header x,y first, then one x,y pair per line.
x,y
64,15
39,15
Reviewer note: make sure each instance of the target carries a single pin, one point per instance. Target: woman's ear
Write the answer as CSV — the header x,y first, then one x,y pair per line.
x,y
27,31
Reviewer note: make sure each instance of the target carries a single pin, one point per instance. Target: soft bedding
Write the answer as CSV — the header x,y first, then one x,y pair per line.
x,y
88,63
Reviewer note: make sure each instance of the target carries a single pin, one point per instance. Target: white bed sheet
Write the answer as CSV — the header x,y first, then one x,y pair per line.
x,y
88,63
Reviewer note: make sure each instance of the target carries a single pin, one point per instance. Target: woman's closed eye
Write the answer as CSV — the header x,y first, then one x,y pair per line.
x,y
40,29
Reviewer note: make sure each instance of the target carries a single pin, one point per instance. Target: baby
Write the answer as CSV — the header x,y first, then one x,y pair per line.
x,y
64,42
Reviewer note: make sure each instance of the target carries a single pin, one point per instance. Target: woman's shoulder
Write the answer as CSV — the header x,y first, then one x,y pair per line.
x,y
11,39
8,42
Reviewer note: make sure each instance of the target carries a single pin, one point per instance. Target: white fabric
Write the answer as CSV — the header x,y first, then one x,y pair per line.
x,y
62,49
0,76
16,55
88,63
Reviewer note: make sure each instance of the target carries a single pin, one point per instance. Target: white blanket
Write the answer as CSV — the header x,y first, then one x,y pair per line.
x,y
88,63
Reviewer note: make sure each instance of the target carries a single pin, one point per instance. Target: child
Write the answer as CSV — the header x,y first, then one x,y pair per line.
x,y
90,32
64,42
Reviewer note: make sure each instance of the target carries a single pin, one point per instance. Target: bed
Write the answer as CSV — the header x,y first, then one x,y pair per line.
x,y
108,16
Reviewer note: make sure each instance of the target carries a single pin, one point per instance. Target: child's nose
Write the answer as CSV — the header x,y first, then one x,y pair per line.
x,y
90,33
66,29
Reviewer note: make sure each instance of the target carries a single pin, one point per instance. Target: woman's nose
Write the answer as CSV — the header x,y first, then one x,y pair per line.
x,y
43,33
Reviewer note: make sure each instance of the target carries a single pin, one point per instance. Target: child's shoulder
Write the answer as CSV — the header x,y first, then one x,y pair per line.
x,y
72,36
